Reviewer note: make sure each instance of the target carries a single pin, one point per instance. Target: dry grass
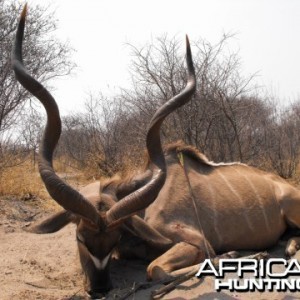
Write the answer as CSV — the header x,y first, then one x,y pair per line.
x,y
23,182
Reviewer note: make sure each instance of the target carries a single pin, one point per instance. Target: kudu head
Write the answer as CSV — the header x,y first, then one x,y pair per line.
x,y
99,219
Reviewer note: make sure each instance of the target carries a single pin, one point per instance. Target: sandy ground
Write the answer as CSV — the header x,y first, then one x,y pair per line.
x,y
46,266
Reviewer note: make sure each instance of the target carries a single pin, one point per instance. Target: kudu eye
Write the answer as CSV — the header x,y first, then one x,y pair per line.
x,y
80,238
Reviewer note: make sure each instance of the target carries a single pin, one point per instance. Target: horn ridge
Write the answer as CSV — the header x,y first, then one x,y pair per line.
x,y
60,191
144,196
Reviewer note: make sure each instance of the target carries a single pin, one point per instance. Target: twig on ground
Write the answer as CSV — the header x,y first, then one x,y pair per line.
x,y
37,285
73,294
172,285
144,285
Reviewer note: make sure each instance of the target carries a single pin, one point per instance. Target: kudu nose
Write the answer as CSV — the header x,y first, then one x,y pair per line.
x,y
99,292
95,295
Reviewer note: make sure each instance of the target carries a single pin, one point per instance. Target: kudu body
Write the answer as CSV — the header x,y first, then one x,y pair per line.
x,y
191,207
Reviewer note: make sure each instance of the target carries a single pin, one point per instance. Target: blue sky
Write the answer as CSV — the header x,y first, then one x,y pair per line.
x,y
268,39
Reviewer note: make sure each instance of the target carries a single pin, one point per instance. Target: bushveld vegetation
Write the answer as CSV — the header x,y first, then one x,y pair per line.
x,y
229,118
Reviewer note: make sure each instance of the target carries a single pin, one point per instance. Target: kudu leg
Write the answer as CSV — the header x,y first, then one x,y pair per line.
x,y
180,256
293,246
290,205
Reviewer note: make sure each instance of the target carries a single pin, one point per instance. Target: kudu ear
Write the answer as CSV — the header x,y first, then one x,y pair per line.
x,y
140,228
54,223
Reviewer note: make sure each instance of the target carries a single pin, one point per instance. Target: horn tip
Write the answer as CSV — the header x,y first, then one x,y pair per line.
x,y
187,39
188,46
24,12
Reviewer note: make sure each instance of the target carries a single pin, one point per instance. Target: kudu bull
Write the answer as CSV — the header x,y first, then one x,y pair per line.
x,y
191,207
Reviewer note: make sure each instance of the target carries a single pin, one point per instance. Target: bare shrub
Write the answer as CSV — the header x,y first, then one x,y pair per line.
x,y
53,60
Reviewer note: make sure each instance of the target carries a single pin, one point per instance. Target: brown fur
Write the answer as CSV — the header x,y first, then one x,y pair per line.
x,y
242,195
187,150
